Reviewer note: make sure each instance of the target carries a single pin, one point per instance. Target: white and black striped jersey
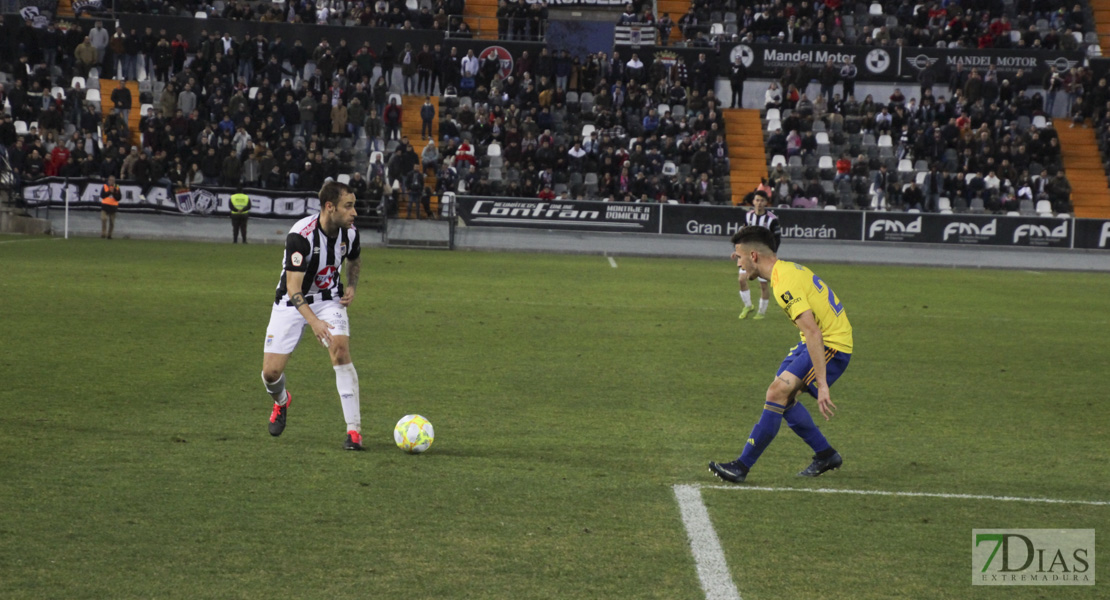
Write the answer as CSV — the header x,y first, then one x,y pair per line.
x,y
320,258
769,220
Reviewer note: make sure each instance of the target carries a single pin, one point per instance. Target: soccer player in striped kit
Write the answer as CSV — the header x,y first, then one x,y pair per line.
x,y
761,217
310,294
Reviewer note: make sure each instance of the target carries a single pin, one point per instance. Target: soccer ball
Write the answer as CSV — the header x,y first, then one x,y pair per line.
x,y
413,434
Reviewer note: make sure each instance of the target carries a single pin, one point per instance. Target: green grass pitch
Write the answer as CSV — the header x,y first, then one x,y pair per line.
x,y
568,398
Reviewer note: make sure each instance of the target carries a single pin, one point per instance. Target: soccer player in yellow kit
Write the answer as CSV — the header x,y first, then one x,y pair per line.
x,y
813,365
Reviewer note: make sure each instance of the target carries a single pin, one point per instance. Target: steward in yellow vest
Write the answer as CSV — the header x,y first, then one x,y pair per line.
x,y
240,208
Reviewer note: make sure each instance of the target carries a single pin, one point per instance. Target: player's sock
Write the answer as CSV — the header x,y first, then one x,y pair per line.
x,y
800,421
746,296
346,381
277,389
762,434
763,306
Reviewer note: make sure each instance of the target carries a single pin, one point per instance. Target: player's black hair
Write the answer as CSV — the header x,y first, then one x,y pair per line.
x,y
754,234
332,192
761,193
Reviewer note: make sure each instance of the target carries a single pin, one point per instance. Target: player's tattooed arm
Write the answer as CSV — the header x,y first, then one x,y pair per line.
x,y
353,269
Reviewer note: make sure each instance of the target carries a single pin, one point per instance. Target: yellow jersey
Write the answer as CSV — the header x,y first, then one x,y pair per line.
x,y
797,290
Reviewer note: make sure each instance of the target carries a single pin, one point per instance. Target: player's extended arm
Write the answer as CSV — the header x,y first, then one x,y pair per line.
x,y
293,282
815,344
353,269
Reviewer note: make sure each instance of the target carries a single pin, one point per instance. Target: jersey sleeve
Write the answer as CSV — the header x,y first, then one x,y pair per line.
x,y
296,253
776,230
356,248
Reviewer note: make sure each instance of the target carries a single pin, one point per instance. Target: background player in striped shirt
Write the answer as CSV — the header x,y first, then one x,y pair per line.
x,y
813,365
763,218
310,294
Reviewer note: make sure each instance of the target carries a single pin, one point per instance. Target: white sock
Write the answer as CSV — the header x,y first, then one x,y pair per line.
x,y
763,306
277,389
746,296
346,381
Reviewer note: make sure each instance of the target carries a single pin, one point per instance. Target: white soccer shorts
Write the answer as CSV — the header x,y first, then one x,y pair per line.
x,y
287,324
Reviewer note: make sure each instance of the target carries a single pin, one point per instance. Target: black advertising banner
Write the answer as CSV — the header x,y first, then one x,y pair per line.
x,y
724,221
893,63
769,60
845,225
990,230
559,214
1092,234
1035,63
85,193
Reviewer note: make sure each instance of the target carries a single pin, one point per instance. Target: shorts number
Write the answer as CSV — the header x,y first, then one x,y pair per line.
x,y
821,287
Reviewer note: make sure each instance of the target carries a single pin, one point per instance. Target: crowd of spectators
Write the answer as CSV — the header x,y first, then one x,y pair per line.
x,y
275,114
597,127
222,111
982,143
440,15
280,115
913,23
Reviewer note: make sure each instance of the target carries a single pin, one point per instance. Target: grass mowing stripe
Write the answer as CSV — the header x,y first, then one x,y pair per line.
x,y
909,494
704,544
24,241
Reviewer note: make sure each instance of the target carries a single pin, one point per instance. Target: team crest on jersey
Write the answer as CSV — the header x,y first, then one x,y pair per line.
x,y
297,258
343,249
325,277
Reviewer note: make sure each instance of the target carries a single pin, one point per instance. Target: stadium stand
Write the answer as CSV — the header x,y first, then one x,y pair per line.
x,y
986,148
621,133
597,126
1023,23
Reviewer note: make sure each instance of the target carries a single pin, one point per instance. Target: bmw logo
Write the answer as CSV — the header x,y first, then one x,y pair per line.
x,y
878,61
747,56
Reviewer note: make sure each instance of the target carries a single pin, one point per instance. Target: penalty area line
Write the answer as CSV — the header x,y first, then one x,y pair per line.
x,y
709,558
612,263
908,494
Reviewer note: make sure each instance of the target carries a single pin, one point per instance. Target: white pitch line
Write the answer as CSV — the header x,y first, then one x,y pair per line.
x,y
709,558
708,555
612,263
908,494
